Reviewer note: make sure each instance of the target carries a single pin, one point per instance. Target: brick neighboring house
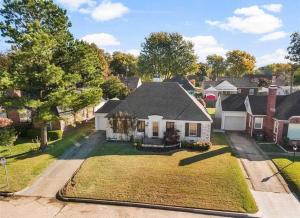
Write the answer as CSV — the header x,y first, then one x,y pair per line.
x,y
278,117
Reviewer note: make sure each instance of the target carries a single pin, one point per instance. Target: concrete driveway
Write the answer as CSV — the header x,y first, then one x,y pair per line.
x,y
35,207
59,172
270,191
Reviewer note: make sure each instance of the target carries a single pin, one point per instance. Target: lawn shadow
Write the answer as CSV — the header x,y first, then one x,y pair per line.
x,y
203,156
278,172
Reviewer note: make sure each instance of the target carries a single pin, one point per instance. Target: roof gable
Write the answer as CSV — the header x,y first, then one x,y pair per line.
x,y
225,85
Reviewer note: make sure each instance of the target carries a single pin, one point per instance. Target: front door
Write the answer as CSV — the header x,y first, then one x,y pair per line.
x,y
155,129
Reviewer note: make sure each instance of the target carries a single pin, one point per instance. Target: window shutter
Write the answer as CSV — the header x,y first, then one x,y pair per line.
x,y
186,129
198,129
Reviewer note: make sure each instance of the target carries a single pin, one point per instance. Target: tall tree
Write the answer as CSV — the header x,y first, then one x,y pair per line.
x,y
123,64
103,60
239,63
167,54
47,64
217,65
114,88
294,55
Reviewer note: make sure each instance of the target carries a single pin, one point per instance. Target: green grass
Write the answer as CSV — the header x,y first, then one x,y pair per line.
x,y
270,148
211,111
28,162
290,171
211,180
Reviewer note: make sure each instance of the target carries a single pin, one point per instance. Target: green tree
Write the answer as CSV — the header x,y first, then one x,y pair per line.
x,y
104,60
239,63
167,54
47,64
122,64
294,55
217,65
114,88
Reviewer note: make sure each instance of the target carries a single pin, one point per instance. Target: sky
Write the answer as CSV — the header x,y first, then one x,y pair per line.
x,y
260,27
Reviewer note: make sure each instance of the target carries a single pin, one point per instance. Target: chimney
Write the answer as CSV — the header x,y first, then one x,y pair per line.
x,y
271,102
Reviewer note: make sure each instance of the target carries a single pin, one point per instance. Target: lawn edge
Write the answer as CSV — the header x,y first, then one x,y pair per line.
x,y
64,198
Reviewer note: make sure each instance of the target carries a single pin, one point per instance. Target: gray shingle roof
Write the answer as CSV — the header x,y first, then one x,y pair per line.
x,y
167,99
234,103
185,83
130,82
108,106
237,82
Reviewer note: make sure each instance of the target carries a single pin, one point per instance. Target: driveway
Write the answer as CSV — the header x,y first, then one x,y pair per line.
x,y
269,189
59,172
31,207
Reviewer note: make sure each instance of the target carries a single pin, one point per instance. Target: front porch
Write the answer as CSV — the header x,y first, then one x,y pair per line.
x,y
157,143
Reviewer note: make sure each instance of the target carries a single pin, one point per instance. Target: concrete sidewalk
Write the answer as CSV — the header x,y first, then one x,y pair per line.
x,y
59,172
35,207
270,191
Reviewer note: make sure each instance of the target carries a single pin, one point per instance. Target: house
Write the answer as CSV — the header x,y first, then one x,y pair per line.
x,y
131,82
229,86
281,90
277,117
184,82
157,107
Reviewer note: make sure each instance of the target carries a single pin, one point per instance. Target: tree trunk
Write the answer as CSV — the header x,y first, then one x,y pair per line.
x,y
44,138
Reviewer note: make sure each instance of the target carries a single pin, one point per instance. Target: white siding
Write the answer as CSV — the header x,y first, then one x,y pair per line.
x,y
101,121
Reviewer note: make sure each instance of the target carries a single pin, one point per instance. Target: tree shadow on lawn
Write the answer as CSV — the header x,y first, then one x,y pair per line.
x,y
203,156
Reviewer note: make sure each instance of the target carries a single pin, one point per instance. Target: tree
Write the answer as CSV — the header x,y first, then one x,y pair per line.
x,y
239,63
114,88
294,55
123,64
47,64
167,54
104,60
275,69
217,65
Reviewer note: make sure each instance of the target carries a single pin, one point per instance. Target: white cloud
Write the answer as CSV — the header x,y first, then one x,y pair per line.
x,y
206,45
108,11
76,4
134,52
249,20
273,36
273,7
101,39
278,56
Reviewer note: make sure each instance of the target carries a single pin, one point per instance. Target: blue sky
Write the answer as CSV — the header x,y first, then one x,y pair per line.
x,y
260,27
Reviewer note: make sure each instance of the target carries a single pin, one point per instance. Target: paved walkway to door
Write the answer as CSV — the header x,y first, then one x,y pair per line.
x,y
272,196
59,172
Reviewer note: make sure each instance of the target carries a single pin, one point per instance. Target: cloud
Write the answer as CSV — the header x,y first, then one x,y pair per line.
x,y
278,56
108,11
101,39
134,52
251,19
206,45
273,7
273,36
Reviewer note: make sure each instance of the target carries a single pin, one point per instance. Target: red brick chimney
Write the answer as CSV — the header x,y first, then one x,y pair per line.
x,y
271,102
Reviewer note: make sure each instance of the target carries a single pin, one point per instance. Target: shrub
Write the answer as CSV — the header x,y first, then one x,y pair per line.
x,y
8,136
198,145
137,143
36,133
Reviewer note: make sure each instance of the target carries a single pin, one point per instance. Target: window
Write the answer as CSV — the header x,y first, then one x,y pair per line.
x,y
294,131
251,91
155,129
192,129
170,126
275,130
141,126
258,122
119,126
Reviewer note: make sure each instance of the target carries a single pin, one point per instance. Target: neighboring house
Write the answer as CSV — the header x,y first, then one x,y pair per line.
x,y
277,117
131,82
184,82
158,107
232,112
229,86
281,90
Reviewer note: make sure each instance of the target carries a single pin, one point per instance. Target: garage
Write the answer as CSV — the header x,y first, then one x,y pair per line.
x,y
235,123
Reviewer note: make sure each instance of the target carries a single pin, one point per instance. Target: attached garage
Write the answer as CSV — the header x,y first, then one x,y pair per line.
x,y
101,121
235,121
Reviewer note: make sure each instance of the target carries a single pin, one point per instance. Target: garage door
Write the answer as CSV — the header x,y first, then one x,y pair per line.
x,y
235,123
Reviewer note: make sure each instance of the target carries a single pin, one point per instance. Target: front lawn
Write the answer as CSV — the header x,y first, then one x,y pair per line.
x,y
26,162
290,170
210,180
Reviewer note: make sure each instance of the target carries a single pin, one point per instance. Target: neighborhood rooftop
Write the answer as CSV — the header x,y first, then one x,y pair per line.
x,y
167,99
234,103
108,106
185,83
